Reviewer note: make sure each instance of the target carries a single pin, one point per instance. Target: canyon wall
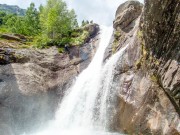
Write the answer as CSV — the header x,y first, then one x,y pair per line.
x,y
148,73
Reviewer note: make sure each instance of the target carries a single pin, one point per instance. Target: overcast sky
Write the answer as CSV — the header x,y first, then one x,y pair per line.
x,y
101,11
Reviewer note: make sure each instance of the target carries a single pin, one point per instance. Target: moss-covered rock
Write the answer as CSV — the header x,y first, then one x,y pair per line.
x,y
83,34
8,56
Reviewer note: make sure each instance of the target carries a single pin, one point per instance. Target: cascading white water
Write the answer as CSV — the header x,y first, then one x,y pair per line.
x,y
77,108
85,110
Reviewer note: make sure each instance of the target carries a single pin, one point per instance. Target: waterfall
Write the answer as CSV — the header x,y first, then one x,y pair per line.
x,y
88,106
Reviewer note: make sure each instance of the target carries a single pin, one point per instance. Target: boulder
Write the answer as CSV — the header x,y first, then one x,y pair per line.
x,y
126,14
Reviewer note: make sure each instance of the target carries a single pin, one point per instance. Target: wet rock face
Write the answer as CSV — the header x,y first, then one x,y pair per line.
x,y
126,14
33,81
169,77
148,74
161,34
144,108
161,28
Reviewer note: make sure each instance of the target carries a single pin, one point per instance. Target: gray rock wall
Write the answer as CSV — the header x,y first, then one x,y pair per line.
x,y
161,35
148,69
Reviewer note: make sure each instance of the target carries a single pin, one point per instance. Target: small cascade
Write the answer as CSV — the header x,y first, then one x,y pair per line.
x,y
88,107
108,90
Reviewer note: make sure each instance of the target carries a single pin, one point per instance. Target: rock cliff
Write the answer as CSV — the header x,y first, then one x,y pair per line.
x,y
148,73
33,81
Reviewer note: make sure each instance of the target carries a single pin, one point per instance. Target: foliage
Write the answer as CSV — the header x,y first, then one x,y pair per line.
x,y
140,34
117,34
52,24
114,46
32,22
2,15
79,37
117,37
85,22
56,20
154,78
41,41
16,24
26,25
61,50
91,21
3,29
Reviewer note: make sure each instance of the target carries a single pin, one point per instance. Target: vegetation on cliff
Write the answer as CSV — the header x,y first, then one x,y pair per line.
x,y
51,24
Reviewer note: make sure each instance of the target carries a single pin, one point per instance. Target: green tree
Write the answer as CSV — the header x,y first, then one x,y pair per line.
x,y
56,20
11,21
87,22
20,26
83,23
91,21
27,25
40,8
32,21
2,16
16,24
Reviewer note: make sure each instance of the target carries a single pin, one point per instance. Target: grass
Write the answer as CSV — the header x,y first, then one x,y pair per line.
x,y
4,30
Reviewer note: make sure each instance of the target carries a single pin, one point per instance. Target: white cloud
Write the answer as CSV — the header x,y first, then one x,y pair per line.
x,y
101,11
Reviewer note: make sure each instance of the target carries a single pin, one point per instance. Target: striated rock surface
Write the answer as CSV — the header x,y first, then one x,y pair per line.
x,y
161,36
148,73
33,81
